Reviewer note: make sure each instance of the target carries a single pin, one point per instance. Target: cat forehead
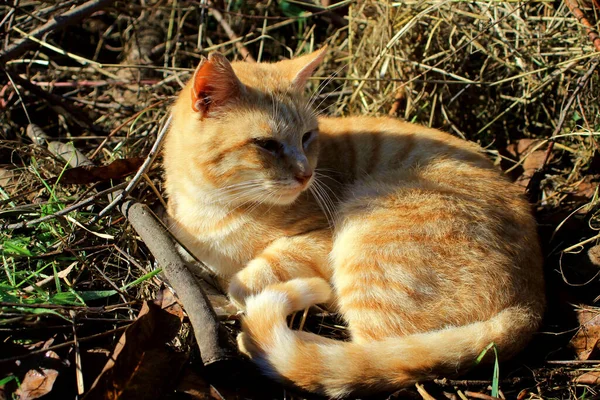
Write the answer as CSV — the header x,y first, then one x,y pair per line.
x,y
279,120
263,76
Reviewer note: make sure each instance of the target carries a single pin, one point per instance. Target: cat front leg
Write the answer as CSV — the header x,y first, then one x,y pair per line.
x,y
302,256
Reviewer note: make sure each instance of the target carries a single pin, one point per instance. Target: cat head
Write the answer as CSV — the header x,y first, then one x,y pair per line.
x,y
245,130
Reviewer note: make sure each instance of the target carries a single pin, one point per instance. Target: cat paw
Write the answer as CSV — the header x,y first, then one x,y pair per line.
x,y
245,345
238,293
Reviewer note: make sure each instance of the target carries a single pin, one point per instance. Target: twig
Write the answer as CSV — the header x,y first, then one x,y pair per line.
x,y
213,341
118,128
58,104
86,309
589,28
66,210
481,396
231,34
78,369
58,21
582,82
65,344
573,362
423,392
143,169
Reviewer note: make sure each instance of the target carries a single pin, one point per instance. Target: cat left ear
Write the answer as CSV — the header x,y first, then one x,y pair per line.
x,y
214,83
306,66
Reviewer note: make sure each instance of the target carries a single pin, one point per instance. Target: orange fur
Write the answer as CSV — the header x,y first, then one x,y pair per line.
x,y
428,253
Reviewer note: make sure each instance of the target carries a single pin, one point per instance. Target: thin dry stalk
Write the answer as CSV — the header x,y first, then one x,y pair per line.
x,y
68,18
589,28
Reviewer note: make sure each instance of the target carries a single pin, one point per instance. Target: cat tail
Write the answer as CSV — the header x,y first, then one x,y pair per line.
x,y
337,369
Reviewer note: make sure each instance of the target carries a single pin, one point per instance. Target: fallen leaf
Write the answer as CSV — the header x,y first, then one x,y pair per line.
x,y
531,154
194,386
586,189
89,174
36,134
586,341
589,378
38,382
69,153
594,255
141,365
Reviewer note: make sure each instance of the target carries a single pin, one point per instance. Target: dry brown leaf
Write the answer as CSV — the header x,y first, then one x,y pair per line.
x,y
594,255
586,341
69,153
587,187
589,378
533,158
6,176
36,134
194,386
38,382
141,366
90,174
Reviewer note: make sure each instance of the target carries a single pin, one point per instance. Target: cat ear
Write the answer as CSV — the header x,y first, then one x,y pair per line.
x,y
303,67
214,83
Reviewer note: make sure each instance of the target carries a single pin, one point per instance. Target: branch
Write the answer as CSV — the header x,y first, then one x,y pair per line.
x,y
231,34
57,103
66,210
58,21
589,28
582,82
145,166
211,336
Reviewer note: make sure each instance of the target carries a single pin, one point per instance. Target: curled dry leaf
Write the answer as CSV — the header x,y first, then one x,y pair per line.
x,y
69,153
589,378
89,174
586,341
141,366
36,134
531,155
38,382
594,255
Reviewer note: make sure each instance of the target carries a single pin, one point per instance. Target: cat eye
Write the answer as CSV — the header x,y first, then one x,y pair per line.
x,y
307,137
270,145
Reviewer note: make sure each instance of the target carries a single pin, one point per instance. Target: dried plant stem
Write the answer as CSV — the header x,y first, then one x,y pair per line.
x,y
582,82
589,28
69,18
65,344
58,104
118,128
423,392
231,34
481,396
143,169
67,210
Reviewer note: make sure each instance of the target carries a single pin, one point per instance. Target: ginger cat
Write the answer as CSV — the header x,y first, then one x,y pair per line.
x,y
428,253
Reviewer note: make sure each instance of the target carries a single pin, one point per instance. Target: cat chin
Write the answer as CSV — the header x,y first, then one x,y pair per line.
x,y
283,200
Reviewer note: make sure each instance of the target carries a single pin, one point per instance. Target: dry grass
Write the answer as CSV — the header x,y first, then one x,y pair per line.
x,y
498,73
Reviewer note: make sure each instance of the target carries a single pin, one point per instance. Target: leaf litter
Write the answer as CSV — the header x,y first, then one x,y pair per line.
x,y
506,75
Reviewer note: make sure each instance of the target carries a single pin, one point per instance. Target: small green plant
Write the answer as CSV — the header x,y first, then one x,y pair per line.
x,y
496,374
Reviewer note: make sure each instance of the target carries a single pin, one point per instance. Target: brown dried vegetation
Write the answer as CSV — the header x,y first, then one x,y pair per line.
x,y
518,77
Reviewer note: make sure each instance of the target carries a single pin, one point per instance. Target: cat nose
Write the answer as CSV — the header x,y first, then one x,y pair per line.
x,y
303,176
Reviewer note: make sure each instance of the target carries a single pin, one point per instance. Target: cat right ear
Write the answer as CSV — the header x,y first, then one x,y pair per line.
x,y
214,83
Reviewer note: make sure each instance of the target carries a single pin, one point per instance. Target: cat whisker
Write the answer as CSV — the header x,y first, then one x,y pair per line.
x,y
324,192
323,84
318,112
323,204
318,174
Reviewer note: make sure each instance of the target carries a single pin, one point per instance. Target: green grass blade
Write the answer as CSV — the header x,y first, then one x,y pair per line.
x,y
142,279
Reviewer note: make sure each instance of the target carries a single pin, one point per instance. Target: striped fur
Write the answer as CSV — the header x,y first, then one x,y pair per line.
x,y
426,251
